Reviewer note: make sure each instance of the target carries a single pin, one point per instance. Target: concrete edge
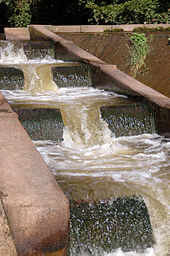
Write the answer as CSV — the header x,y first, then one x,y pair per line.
x,y
139,88
39,32
21,34
36,208
102,28
7,246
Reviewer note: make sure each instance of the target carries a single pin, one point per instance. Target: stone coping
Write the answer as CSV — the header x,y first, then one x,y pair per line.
x,y
17,34
36,208
117,78
22,33
102,28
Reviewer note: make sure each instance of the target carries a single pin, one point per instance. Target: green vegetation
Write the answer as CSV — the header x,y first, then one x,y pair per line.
x,y
18,13
132,11
145,29
138,50
65,12
114,30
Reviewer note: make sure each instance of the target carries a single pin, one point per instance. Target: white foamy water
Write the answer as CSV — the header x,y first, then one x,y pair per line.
x,y
8,54
64,96
91,163
109,168
12,54
119,252
37,72
137,165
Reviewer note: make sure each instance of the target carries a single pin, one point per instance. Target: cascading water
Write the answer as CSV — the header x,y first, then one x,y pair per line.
x,y
37,73
92,165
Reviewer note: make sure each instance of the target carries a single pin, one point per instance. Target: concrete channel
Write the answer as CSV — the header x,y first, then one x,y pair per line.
x,y
34,212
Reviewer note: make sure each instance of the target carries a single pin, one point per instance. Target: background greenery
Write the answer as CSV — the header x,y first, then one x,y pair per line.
x,y
56,12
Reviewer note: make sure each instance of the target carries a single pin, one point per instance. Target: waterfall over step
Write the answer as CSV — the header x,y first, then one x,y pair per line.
x,y
102,148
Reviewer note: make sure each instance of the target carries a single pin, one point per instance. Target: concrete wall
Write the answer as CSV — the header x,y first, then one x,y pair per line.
x,y
103,75
112,48
102,28
36,208
17,34
7,246
106,76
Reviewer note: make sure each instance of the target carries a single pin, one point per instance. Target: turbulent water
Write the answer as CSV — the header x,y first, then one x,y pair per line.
x,y
137,165
92,164
37,72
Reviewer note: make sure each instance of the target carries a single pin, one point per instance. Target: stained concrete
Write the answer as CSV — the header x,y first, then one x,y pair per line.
x,y
114,77
112,48
7,247
21,34
102,28
36,208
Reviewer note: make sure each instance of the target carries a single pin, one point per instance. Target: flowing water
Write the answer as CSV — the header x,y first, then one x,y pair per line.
x,y
109,179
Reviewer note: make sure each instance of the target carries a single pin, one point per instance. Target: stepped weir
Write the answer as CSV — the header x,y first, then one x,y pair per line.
x,y
85,168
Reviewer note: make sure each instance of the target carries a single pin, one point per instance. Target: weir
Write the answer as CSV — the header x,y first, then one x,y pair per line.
x,y
37,75
103,150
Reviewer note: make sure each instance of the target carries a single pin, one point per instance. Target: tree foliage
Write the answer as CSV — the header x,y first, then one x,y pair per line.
x,y
18,12
61,12
122,12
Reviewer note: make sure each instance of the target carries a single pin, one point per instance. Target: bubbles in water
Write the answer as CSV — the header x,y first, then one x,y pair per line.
x,y
91,163
12,53
119,252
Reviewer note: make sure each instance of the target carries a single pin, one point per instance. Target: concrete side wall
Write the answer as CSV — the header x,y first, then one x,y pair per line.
x,y
7,246
22,33
103,74
102,28
111,47
36,208
17,34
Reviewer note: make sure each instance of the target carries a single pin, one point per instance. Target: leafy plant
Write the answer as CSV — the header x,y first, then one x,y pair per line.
x,y
19,12
23,12
122,12
138,50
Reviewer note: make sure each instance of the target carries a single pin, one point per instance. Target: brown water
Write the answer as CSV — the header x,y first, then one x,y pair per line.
x,y
91,163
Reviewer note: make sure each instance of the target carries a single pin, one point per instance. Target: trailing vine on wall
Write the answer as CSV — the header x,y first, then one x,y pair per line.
x,y
138,50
